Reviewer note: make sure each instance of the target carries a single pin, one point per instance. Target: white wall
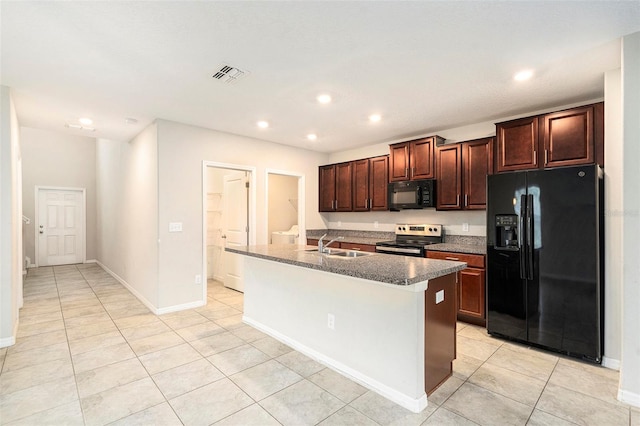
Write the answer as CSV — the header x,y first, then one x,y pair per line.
x,y
181,150
127,186
63,160
10,220
613,218
282,203
630,370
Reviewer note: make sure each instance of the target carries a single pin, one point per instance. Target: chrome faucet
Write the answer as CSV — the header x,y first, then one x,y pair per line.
x,y
322,248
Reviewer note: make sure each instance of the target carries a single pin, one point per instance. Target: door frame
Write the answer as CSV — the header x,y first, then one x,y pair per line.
x,y
301,203
251,207
83,220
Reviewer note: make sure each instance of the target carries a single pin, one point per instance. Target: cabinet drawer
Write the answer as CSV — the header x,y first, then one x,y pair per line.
x,y
312,242
361,247
472,260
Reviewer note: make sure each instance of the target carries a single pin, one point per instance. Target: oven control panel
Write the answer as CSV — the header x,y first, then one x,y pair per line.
x,y
419,230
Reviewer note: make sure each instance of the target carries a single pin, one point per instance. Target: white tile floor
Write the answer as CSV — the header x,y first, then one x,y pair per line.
x,y
88,352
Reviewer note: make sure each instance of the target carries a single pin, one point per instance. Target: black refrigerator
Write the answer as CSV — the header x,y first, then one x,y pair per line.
x,y
545,259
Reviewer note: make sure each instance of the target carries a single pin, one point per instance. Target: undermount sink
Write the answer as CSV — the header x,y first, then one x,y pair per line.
x,y
347,254
351,253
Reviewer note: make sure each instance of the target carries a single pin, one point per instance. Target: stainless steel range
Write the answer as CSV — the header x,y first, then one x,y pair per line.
x,y
411,240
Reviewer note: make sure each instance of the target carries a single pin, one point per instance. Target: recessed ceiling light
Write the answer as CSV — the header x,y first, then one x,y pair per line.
x,y
523,75
130,120
263,124
324,98
86,121
374,118
312,136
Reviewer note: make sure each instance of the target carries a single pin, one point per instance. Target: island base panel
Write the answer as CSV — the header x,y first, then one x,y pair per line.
x,y
439,331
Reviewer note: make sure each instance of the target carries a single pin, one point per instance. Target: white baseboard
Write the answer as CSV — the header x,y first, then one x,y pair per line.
x,y
91,261
183,307
613,364
129,287
414,405
11,340
630,398
149,305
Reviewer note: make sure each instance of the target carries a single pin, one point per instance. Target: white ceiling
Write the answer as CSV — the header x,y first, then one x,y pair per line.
x,y
423,66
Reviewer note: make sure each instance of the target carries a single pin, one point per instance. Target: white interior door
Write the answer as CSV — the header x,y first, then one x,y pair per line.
x,y
60,227
235,229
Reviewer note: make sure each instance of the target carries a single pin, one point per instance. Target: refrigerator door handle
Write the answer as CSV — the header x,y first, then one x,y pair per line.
x,y
530,237
522,238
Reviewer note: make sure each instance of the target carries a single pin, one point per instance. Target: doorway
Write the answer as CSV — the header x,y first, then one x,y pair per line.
x,y
228,219
60,226
285,199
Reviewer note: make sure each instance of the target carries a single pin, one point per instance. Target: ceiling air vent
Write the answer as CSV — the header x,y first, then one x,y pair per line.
x,y
229,74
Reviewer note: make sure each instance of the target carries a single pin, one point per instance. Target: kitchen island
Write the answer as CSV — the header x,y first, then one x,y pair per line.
x,y
388,322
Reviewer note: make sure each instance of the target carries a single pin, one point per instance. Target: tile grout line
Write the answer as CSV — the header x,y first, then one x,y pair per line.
x,y
73,367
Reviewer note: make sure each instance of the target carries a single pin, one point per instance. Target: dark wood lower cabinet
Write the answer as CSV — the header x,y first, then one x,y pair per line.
x,y
439,332
470,288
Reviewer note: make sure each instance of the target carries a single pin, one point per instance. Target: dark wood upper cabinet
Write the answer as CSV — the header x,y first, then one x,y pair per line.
x,y
414,159
461,172
359,185
399,162
378,182
327,188
563,138
568,137
344,191
517,145
449,177
477,163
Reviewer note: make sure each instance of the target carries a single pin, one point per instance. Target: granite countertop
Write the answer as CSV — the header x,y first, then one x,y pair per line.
x,y
384,268
351,236
458,248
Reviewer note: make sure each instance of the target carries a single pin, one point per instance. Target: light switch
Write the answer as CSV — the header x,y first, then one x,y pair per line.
x,y
175,226
439,296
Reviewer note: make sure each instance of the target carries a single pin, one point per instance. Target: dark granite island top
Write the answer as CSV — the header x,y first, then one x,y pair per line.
x,y
384,268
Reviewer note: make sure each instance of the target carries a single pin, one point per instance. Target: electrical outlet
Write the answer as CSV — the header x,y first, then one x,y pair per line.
x,y
198,279
465,227
175,226
375,224
331,321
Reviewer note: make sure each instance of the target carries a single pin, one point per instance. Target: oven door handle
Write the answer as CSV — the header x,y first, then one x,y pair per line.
x,y
399,250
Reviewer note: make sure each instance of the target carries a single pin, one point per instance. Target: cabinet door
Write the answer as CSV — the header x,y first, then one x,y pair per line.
x,y
517,145
360,247
378,182
344,192
568,137
361,185
399,162
471,292
327,188
476,164
448,177
421,153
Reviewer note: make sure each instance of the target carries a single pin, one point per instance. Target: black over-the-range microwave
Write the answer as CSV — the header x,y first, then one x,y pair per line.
x,y
414,194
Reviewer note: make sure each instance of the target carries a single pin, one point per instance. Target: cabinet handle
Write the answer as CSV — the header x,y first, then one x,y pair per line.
x,y
406,172
413,171
336,208
546,161
451,258
355,248
466,199
535,157
458,200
